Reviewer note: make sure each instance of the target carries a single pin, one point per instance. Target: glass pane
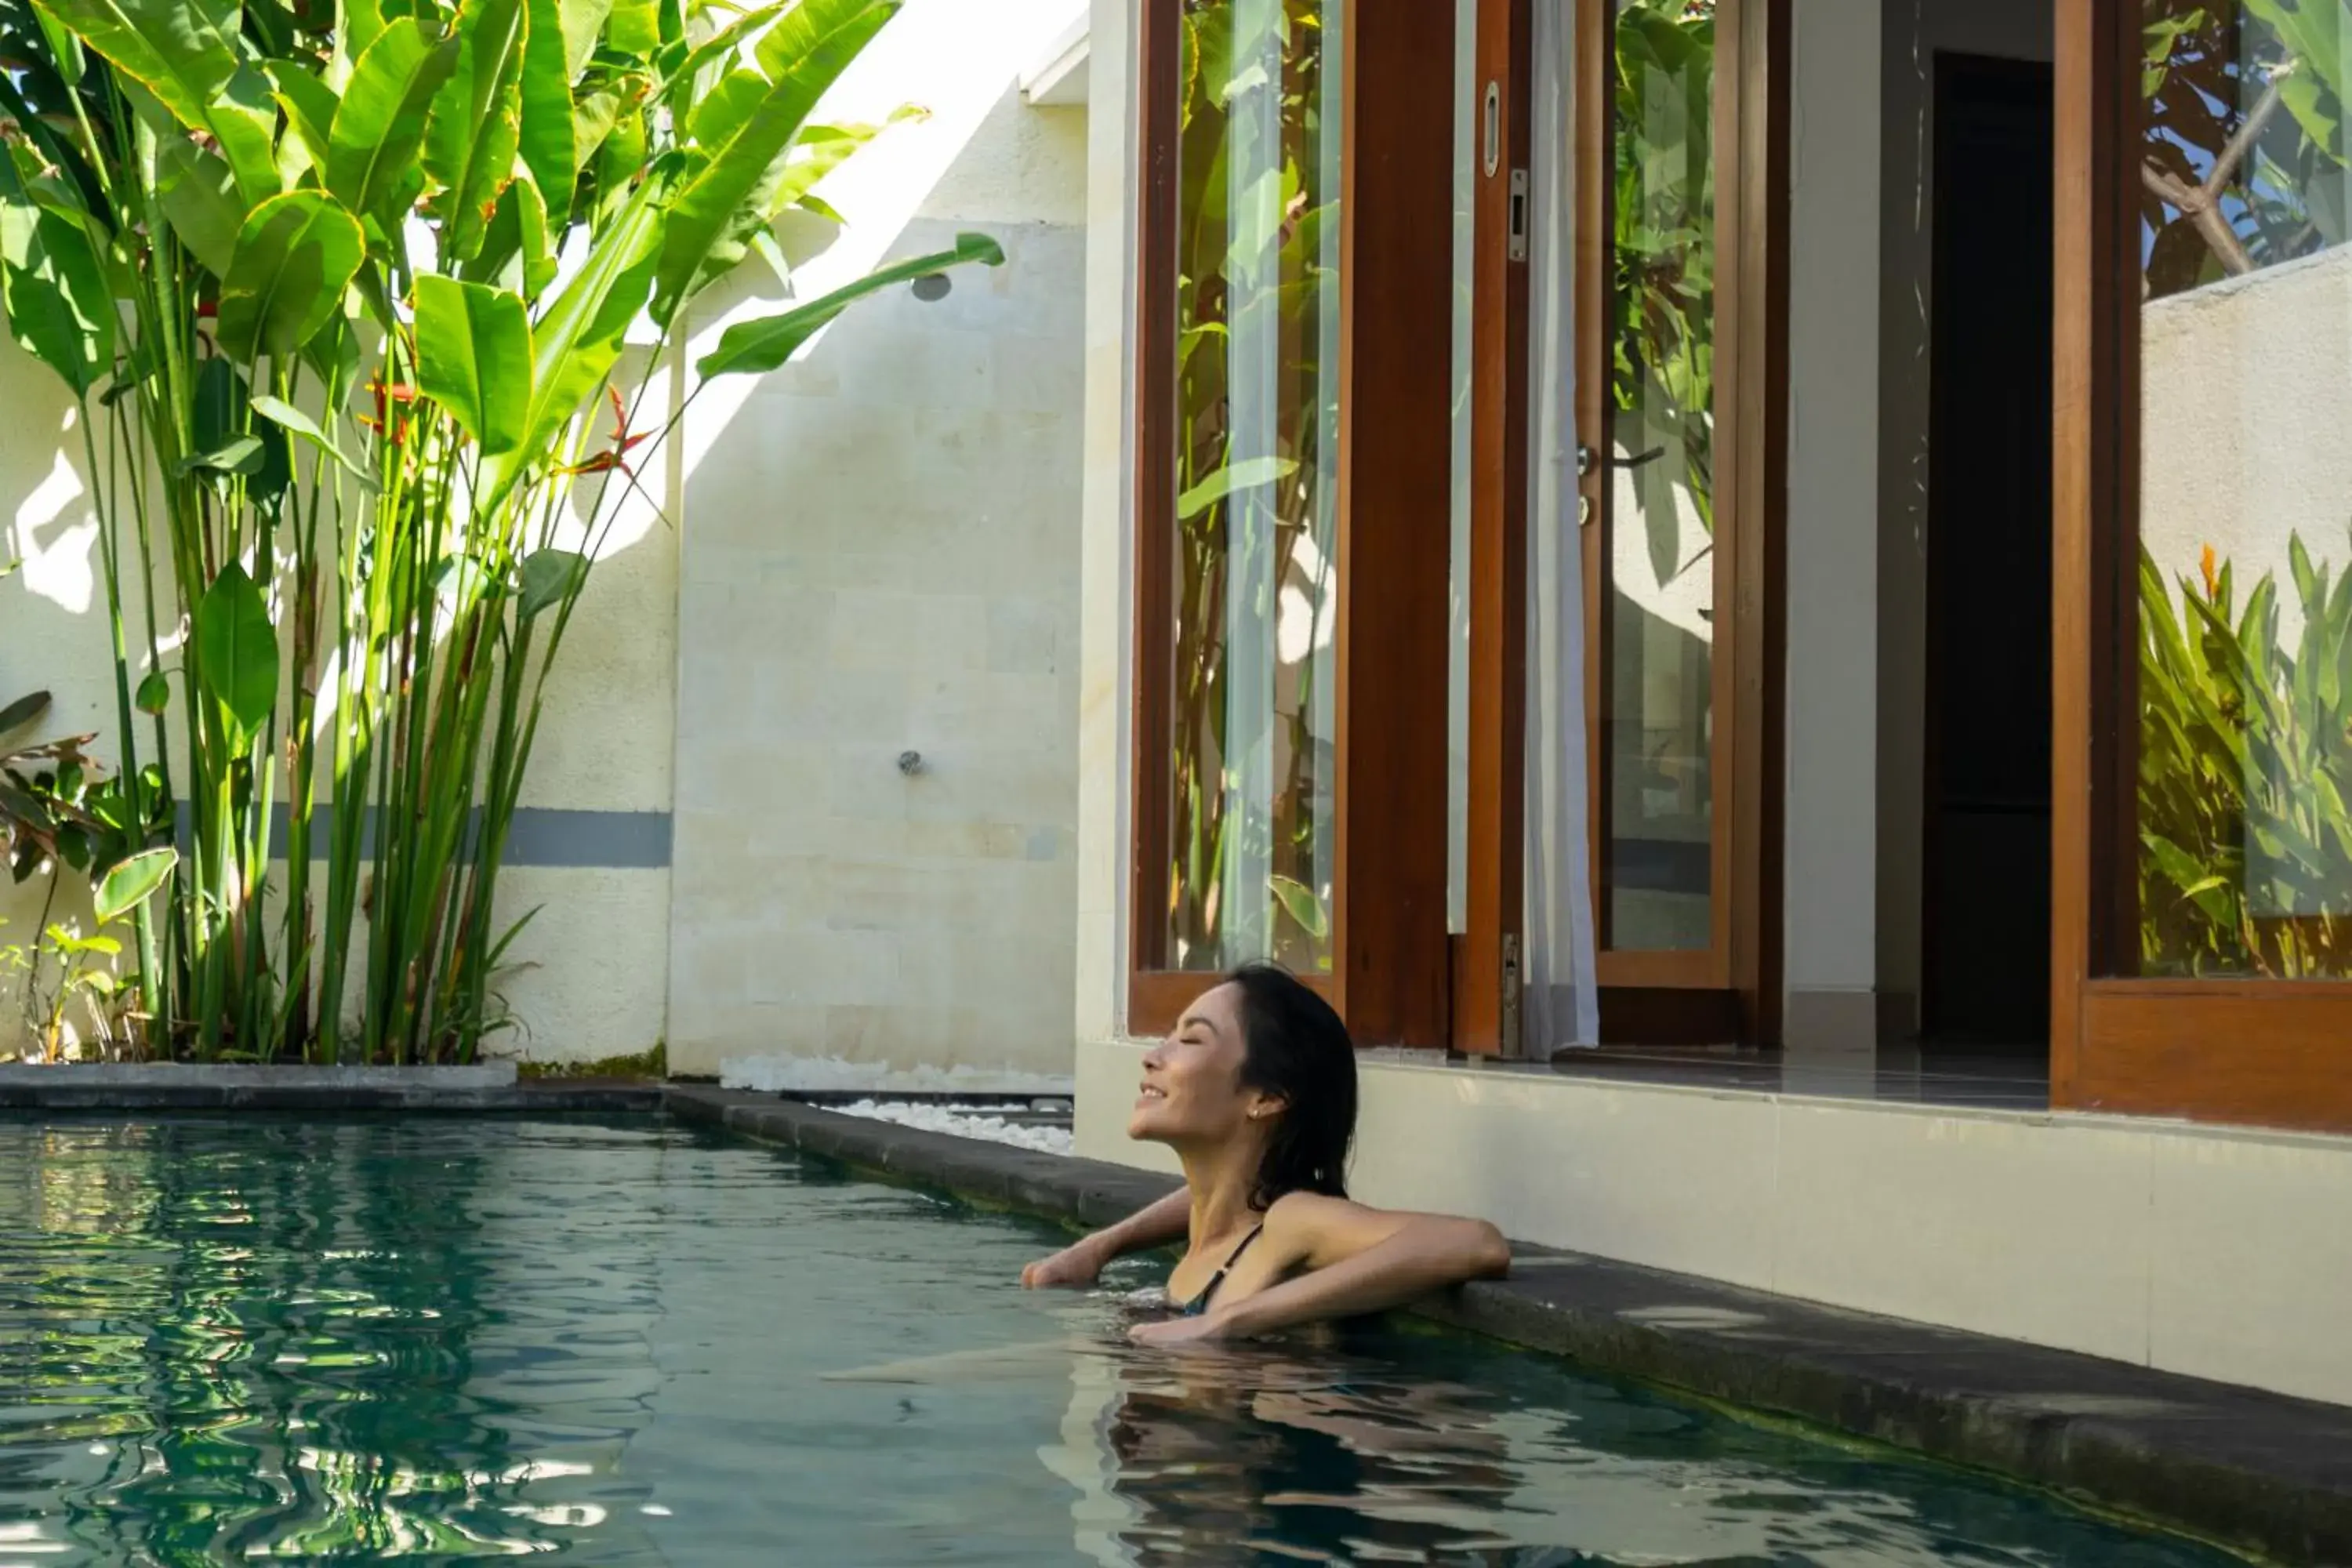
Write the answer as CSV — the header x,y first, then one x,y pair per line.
x,y
1660,601
2245,674
1469,153
1255,584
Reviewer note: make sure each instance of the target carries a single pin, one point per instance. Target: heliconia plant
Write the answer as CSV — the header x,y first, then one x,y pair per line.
x,y
2245,774
348,291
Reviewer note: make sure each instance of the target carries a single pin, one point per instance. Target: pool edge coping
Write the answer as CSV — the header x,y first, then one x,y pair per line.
x,y
2255,1472
417,1090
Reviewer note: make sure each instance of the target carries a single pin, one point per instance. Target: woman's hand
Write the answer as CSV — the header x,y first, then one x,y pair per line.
x,y
1076,1265
1082,1262
1208,1328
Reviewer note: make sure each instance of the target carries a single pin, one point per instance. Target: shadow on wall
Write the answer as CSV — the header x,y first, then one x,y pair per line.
x,y
53,638
880,558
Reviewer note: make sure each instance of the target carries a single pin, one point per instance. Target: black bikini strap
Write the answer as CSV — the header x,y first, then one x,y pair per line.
x,y
1256,1232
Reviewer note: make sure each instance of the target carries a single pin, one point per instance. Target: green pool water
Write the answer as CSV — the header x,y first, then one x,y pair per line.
x,y
239,1339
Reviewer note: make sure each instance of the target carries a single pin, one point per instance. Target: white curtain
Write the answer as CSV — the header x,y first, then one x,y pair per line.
x,y
1559,1004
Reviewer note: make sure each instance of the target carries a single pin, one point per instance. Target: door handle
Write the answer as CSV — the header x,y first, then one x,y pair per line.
x,y
1583,460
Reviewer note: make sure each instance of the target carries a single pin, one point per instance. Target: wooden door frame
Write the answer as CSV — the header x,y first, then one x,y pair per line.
x,y
1391,975
1731,991
2267,1052
1495,904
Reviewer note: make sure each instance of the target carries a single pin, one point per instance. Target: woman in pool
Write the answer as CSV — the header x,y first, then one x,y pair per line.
x,y
1256,1091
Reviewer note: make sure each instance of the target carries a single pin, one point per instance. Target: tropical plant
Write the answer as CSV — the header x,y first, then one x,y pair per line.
x,y
2242,148
31,820
350,291
1662,372
85,964
1257,463
2245,774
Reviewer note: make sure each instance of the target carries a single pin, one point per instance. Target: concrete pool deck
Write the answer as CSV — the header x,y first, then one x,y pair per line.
x,y
2258,1472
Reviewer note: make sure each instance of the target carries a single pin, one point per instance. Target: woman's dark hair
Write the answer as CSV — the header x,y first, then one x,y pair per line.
x,y
1294,1045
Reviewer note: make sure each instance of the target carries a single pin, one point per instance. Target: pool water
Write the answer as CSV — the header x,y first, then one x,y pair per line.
x,y
425,1340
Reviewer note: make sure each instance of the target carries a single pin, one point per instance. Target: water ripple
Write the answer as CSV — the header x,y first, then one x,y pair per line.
x,y
237,1340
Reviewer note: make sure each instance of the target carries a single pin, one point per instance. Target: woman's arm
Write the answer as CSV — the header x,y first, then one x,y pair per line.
x,y
1166,1221
1355,1261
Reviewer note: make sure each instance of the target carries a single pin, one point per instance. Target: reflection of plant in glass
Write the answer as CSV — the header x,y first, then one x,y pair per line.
x,y
1663,282
2242,147
1257,418
2245,775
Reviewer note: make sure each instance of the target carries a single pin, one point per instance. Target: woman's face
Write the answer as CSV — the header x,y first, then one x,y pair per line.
x,y
1192,1091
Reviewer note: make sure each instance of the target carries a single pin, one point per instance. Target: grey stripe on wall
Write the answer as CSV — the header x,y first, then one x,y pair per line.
x,y
540,836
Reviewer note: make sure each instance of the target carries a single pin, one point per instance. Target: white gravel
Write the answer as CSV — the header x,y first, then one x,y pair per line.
x,y
831,1075
963,1122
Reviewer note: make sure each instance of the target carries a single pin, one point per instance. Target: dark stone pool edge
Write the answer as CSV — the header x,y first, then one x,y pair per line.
x,y
64,1093
2258,1472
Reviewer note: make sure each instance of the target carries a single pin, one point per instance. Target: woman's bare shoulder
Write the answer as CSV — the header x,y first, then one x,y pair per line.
x,y
1314,1227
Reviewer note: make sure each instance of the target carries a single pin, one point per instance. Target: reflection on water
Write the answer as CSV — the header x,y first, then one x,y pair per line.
x,y
1410,1450
432,1341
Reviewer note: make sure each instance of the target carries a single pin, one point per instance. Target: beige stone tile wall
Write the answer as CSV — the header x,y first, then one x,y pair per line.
x,y
880,556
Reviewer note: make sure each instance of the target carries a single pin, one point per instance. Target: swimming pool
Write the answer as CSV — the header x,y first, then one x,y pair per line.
x,y
231,1339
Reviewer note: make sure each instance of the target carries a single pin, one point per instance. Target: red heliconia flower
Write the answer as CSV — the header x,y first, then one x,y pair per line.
x,y
612,457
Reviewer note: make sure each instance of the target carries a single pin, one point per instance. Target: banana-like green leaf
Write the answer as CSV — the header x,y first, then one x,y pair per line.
x,y
546,134
199,196
2315,31
65,49
184,53
750,347
132,883
361,22
593,115
719,49
710,226
634,28
240,650
518,250
584,20
292,420
719,113
53,283
474,127
238,455
549,576
23,712
820,149
310,109
372,164
295,257
579,335
473,357
1249,474
1300,902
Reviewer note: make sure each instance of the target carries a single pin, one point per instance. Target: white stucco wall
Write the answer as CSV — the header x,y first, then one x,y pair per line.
x,y
1105,558
53,625
1831,906
880,555
2246,425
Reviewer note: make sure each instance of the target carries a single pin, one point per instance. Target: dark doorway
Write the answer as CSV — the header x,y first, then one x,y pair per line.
x,y
1986,965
